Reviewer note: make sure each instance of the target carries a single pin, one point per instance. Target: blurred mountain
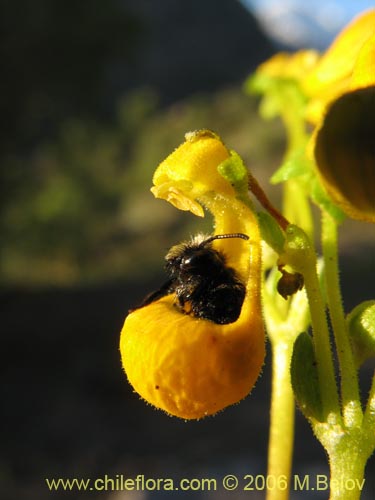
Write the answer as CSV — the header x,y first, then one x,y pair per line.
x,y
297,24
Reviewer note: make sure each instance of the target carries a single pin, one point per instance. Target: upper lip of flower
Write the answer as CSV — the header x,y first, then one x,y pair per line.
x,y
191,171
180,194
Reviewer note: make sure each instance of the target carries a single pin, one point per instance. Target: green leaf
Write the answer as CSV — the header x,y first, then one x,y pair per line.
x,y
304,374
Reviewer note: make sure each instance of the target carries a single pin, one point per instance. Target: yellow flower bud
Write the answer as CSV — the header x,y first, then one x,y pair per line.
x,y
187,366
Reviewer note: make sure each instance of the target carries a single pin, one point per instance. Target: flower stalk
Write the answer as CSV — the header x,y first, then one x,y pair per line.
x,y
350,400
281,436
301,255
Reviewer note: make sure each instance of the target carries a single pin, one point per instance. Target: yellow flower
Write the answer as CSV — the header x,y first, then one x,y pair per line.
x,y
338,88
186,366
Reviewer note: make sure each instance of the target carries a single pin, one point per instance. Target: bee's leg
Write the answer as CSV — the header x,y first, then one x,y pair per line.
x,y
182,303
165,289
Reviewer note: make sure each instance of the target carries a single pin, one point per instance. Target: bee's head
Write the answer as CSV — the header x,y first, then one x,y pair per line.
x,y
197,257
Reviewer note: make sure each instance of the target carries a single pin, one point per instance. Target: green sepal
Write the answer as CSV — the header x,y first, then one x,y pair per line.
x,y
271,232
321,198
295,165
269,87
304,375
235,172
279,94
258,83
361,324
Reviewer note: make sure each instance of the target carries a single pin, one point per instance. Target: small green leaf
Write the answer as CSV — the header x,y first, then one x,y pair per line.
x,y
258,83
295,165
361,323
304,374
235,172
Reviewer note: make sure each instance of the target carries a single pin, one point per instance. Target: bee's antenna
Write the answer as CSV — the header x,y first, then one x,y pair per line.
x,y
224,236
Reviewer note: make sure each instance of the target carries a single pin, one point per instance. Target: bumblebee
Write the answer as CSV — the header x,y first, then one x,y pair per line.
x,y
203,284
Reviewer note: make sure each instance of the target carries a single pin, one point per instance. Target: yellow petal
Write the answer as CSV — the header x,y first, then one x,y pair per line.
x,y
191,367
176,193
364,69
338,62
191,171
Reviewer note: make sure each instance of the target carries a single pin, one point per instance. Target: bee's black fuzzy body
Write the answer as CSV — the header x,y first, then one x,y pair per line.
x,y
203,284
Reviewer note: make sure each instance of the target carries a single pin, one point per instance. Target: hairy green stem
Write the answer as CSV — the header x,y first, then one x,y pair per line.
x,y
369,417
296,207
351,406
323,352
347,471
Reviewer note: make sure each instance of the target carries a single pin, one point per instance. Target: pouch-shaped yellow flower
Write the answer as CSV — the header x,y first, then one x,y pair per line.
x,y
189,366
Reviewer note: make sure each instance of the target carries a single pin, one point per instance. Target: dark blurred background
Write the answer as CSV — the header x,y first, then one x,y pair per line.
x,y
93,95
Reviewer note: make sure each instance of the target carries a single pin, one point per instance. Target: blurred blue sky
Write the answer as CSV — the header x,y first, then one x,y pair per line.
x,y
301,23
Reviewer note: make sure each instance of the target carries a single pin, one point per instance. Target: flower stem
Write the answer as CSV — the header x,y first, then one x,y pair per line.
x,y
280,448
368,424
296,207
347,471
322,346
261,196
352,412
